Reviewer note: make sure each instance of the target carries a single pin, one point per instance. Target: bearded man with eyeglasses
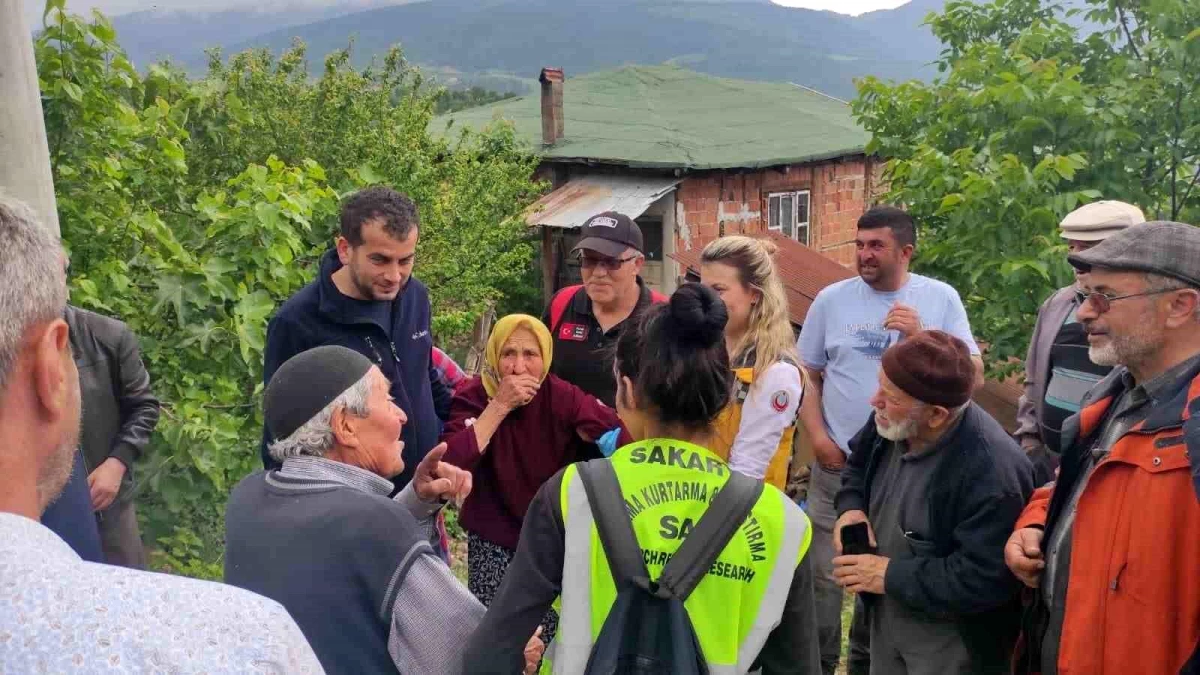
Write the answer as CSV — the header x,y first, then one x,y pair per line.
x,y
1058,371
586,319
1110,547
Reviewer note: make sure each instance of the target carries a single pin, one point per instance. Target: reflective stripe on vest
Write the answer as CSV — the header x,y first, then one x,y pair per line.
x,y
754,574
797,535
573,641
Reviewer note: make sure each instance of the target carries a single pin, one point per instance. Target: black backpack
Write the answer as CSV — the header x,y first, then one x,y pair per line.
x,y
648,631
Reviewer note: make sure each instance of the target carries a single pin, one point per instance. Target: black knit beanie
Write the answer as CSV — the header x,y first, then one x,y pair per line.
x,y
308,382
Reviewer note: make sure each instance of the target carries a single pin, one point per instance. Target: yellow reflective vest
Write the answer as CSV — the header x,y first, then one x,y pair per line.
x,y
667,486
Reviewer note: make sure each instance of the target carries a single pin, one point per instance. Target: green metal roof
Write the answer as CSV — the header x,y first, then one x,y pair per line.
x,y
670,117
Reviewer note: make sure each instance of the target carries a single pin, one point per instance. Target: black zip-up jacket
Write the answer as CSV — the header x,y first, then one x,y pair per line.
x,y
979,487
394,335
119,410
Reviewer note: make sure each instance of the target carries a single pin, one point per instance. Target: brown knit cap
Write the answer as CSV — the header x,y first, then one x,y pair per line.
x,y
933,367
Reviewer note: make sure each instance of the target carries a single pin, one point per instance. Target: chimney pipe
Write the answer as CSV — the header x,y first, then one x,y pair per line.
x,y
552,104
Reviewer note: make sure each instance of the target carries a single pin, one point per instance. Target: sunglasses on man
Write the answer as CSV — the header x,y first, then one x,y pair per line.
x,y
587,261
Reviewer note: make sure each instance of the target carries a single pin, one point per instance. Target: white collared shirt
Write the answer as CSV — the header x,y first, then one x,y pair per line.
x,y
59,614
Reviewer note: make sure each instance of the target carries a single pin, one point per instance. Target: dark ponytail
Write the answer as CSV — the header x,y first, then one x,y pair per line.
x,y
675,355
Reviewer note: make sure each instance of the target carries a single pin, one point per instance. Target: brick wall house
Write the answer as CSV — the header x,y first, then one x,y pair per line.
x,y
691,157
831,194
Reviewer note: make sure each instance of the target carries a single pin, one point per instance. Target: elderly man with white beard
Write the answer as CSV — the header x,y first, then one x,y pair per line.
x,y
939,484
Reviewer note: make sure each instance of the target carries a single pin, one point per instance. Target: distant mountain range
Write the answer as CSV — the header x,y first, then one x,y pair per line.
x,y
502,44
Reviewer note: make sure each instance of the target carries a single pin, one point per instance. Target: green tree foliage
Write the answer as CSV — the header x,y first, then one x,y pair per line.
x,y
1029,119
369,126
461,99
193,209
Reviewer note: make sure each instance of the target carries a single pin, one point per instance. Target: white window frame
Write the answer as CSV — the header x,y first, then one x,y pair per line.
x,y
773,223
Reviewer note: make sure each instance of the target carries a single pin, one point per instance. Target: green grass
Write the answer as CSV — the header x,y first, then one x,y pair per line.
x,y
458,558
458,544
847,617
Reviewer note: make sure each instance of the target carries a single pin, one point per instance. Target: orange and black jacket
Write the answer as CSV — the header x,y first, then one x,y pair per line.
x,y
1133,590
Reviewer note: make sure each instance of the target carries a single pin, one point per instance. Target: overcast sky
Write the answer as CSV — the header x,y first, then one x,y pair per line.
x,y
852,7
33,8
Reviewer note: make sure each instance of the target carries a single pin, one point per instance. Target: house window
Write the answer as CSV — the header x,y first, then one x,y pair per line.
x,y
652,237
788,214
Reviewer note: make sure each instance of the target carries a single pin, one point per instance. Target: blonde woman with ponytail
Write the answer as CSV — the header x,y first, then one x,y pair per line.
x,y
754,433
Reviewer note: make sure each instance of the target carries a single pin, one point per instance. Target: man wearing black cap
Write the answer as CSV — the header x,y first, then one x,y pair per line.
x,y
586,319
1111,546
320,536
939,484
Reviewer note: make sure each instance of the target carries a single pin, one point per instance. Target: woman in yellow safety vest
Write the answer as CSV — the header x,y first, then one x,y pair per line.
x,y
755,432
752,610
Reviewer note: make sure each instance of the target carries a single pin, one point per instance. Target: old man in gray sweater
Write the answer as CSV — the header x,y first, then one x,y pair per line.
x,y
320,535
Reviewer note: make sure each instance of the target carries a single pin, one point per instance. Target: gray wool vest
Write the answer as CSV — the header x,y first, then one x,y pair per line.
x,y
333,556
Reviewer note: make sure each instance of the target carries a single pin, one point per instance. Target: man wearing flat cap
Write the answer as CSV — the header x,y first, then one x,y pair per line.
x,y
1058,371
1112,546
939,484
319,535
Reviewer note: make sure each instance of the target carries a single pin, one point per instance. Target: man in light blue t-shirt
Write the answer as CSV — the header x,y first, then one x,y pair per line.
x,y
845,333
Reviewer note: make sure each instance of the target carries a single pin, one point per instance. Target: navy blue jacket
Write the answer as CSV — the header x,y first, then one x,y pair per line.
x,y
981,483
71,516
394,335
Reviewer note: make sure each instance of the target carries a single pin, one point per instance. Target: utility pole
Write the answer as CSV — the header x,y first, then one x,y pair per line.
x,y
24,153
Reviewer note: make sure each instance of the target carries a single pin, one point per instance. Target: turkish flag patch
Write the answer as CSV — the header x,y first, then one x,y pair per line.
x,y
575,332
780,401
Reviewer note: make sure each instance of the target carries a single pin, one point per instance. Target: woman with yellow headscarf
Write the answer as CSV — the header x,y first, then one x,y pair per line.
x,y
513,428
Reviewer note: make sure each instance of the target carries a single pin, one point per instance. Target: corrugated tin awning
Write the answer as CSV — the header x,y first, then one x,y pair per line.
x,y
582,198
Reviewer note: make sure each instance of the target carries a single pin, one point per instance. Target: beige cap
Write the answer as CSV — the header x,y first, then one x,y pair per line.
x,y
1100,220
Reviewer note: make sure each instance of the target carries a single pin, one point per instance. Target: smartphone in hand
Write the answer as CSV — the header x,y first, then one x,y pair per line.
x,y
856,540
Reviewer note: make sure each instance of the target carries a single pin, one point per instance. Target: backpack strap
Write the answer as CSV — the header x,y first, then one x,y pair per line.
x,y
558,305
612,520
725,514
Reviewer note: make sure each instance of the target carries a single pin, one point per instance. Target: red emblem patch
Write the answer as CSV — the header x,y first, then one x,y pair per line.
x,y
575,332
780,401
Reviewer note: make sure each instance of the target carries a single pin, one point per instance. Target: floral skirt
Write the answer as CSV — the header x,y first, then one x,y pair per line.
x,y
486,565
